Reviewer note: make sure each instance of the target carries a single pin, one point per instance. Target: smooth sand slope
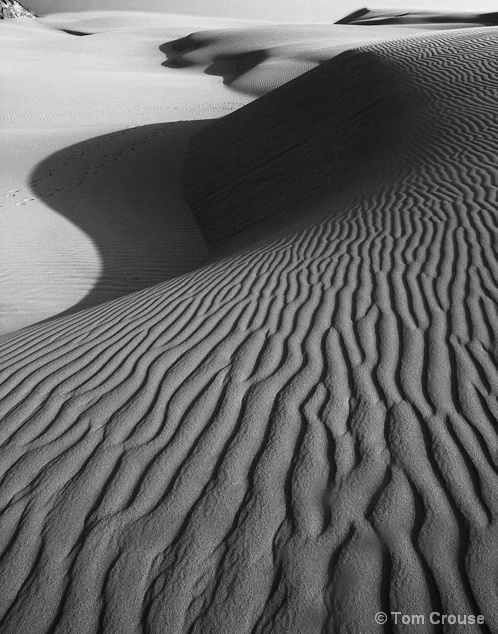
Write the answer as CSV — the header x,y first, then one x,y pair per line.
x,y
302,431
91,152
290,11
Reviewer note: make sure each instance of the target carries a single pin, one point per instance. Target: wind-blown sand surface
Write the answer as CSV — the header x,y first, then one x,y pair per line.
x,y
297,428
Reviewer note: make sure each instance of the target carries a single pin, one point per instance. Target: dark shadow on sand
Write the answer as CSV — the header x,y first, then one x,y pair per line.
x,y
78,33
123,190
303,145
175,49
229,67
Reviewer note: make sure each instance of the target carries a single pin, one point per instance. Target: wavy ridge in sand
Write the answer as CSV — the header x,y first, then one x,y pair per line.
x,y
303,431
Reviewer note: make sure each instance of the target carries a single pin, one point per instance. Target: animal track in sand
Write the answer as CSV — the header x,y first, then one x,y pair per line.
x,y
102,183
58,171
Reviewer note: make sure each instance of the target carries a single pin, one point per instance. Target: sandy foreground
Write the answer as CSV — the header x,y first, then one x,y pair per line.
x,y
249,317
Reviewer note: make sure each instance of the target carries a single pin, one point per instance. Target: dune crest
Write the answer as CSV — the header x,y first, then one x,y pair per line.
x,y
440,19
257,59
301,432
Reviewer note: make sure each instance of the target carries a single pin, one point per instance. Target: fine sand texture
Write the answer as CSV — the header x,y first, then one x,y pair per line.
x,y
297,427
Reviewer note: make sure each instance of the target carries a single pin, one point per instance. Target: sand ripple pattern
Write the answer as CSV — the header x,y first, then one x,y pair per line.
x,y
304,431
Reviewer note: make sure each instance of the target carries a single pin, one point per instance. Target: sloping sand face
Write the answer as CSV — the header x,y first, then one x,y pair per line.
x,y
91,148
292,11
302,432
101,218
257,59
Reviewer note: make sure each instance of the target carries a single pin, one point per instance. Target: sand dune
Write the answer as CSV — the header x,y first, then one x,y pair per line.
x,y
440,19
122,223
261,10
300,431
60,155
85,139
257,59
254,60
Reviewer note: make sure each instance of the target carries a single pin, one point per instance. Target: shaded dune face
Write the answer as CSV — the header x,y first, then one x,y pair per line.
x,y
303,431
317,134
248,60
123,191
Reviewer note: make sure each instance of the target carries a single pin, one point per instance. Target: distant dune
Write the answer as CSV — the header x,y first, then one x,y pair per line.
x,y
376,17
261,10
256,59
298,430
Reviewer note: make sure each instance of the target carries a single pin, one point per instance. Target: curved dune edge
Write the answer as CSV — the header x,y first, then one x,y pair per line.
x,y
105,217
91,204
452,19
257,59
303,432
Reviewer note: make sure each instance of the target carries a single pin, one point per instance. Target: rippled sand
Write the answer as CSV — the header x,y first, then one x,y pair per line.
x,y
292,424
